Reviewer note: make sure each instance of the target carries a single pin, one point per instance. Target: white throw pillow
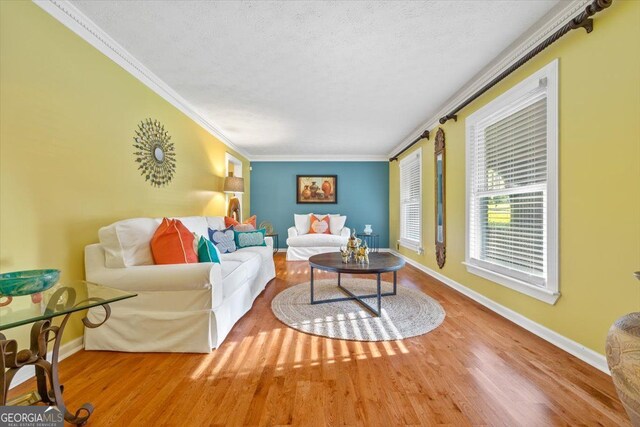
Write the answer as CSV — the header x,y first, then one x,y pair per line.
x,y
336,223
215,223
126,243
195,224
302,223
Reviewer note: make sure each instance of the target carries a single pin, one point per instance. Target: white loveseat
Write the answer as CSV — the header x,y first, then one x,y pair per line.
x,y
301,244
179,308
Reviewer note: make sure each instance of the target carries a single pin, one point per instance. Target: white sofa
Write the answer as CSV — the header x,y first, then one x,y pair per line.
x,y
301,244
179,308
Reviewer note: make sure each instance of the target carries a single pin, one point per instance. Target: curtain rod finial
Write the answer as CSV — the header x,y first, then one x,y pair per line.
x,y
448,117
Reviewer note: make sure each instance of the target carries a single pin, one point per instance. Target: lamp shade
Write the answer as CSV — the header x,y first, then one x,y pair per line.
x,y
233,184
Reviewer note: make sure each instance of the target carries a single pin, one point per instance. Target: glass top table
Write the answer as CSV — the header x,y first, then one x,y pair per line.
x,y
39,309
59,300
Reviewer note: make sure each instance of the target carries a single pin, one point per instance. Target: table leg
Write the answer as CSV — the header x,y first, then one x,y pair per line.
x,y
395,282
6,347
339,284
379,297
311,285
41,380
48,383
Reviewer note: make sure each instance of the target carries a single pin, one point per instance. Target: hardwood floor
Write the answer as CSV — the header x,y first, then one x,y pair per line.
x,y
475,369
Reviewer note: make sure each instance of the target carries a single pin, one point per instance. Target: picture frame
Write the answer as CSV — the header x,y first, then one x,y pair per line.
x,y
319,189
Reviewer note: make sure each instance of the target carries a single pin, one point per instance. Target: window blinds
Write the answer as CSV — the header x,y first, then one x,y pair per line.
x,y
508,189
410,199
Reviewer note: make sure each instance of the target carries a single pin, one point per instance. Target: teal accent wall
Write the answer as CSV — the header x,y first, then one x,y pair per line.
x,y
363,194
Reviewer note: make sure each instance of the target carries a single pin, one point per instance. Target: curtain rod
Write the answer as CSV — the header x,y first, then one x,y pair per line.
x,y
583,20
424,134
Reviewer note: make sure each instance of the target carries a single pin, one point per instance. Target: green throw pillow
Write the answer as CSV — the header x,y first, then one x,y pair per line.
x,y
207,251
244,239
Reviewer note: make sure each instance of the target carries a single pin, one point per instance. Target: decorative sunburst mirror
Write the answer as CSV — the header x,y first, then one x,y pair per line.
x,y
155,154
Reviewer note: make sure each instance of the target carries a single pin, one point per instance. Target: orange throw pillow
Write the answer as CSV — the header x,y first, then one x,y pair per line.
x,y
319,226
172,243
230,222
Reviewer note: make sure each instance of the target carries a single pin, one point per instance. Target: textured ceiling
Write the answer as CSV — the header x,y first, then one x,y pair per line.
x,y
315,78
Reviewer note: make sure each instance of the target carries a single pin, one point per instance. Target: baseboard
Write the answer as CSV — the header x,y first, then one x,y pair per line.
x,y
583,353
66,350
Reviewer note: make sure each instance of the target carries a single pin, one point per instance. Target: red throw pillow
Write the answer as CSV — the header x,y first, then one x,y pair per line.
x,y
230,222
319,226
172,243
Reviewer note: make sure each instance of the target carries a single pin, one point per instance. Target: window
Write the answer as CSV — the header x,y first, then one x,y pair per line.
x,y
512,188
411,201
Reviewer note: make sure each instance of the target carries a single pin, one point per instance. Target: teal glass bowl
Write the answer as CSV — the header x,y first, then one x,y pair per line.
x,y
27,282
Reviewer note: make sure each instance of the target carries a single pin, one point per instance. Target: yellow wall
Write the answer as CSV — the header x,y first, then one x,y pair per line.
x,y
67,119
599,139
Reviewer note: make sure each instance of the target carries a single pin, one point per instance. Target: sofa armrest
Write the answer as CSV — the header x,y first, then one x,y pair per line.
x,y
292,232
170,277
345,232
268,240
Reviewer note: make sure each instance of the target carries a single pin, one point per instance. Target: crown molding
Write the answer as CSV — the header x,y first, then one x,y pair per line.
x,y
72,18
546,26
319,158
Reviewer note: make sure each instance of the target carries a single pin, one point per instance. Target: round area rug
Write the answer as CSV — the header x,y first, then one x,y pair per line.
x,y
407,314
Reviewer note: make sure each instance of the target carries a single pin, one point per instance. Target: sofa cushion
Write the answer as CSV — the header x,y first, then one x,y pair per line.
x,y
231,272
245,239
302,223
127,243
172,243
336,223
215,222
319,225
195,224
265,252
223,239
207,251
238,269
240,256
312,240
251,221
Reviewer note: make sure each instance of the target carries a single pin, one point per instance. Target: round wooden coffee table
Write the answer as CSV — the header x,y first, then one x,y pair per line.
x,y
379,263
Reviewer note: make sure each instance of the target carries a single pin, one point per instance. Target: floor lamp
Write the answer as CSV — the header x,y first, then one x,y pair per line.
x,y
234,185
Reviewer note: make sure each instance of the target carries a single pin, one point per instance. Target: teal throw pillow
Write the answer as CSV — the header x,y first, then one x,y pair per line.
x,y
245,239
207,251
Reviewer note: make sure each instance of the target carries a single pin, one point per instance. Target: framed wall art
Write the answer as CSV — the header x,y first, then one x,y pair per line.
x,y
317,189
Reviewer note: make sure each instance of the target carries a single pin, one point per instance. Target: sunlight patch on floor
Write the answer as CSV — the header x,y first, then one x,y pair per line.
x,y
513,385
300,348
403,349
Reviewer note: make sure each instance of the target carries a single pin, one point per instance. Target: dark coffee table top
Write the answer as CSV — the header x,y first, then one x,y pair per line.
x,y
380,262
